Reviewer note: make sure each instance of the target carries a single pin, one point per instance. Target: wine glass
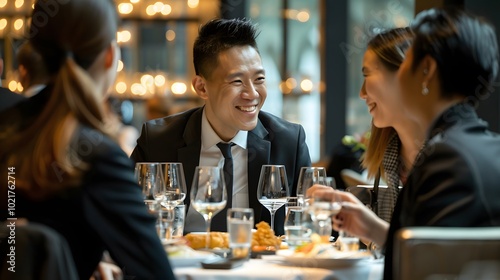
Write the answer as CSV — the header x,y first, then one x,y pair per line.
x,y
175,183
309,176
175,189
272,191
149,176
208,194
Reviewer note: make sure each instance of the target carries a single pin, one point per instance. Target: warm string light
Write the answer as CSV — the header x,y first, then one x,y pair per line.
x,y
290,85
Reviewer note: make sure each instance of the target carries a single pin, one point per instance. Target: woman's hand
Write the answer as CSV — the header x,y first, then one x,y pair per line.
x,y
107,271
354,217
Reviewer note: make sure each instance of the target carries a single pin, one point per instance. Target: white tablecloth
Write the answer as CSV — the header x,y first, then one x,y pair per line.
x,y
265,269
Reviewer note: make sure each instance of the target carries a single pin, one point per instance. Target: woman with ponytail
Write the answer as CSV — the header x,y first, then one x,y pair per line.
x,y
69,173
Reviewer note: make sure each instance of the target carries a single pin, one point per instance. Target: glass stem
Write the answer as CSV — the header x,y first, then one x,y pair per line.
x,y
208,221
272,220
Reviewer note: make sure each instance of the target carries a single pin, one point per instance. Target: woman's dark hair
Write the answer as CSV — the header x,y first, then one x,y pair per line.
x,y
219,35
464,46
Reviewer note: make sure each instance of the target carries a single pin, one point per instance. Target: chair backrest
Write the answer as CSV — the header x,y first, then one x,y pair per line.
x,y
447,253
352,178
39,252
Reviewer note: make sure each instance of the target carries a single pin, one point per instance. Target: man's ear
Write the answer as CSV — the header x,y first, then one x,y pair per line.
x,y
199,85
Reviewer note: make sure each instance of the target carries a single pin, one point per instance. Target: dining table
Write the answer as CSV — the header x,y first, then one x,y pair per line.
x,y
275,268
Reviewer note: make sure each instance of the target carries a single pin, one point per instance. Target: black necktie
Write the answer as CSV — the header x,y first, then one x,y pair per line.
x,y
219,222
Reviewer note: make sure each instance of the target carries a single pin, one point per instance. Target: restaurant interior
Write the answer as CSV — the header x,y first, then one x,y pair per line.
x,y
312,52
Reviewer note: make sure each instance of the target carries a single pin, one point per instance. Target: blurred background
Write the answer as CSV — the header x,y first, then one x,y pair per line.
x,y
312,51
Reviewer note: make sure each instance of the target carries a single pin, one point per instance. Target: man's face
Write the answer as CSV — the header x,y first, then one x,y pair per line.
x,y
234,92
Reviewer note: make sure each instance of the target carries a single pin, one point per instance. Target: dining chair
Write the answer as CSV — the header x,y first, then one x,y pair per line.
x,y
447,253
39,253
352,178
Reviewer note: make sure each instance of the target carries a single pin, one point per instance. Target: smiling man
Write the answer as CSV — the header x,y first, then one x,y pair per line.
x,y
230,79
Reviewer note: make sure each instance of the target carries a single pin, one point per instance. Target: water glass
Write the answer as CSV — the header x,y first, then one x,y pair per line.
x,y
165,216
347,242
178,222
239,226
297,230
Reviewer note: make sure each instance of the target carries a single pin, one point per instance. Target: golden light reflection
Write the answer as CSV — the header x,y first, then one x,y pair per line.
x,y
170,35
166,9
284,89
303,16
147,80
119,67
3,3
18,24
3,23
20,87
13,85
158,6
134,1
125,8
193,3
19,3
138,89
306,85
291,83
150,10
159,80
123,36
121,87
178,88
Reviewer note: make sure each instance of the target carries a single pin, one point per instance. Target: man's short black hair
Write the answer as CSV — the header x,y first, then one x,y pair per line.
x,y
219,35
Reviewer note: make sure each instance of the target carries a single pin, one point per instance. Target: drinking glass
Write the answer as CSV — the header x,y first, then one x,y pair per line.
x,y
297,229
208,194
321,211
272,191
239,227
150,178
175,183
309,176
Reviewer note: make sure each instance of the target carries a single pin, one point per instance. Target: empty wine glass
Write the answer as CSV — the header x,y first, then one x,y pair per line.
x,y
309,176
175,183
150,178
175,190
272,191
208,194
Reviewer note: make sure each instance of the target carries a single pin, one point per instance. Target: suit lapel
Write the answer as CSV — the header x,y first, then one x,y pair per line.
x,y
259,151
189,155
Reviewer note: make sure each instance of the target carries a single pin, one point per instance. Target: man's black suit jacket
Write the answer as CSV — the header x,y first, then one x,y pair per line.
x,y
9,98
177,138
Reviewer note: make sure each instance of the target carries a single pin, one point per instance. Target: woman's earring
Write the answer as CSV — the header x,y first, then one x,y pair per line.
x,y
425,90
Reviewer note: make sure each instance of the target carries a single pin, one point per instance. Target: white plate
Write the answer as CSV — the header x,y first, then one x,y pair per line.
x,y
343,259
171,241
192,260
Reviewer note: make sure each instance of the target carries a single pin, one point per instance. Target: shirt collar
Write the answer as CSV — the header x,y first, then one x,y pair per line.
x,y
209,137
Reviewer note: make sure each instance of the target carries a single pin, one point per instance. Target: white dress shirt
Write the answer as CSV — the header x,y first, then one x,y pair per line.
x,y
210,155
